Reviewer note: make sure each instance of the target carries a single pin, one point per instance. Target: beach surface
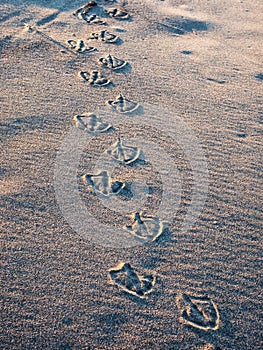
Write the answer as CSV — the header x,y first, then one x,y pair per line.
x,y
192,82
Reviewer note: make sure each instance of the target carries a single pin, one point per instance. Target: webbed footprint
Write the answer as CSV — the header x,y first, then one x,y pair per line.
x,y
199,312
85,9
123,105
91,123
146,228
79,46
129,281
103,183
93,19
118,13
83,13
94,78
104,36
112,62
124,154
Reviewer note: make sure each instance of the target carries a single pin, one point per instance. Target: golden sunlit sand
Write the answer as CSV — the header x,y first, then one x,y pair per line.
x,y
157,106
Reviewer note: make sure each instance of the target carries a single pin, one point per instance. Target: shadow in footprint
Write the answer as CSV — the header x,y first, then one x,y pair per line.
x,y
130,282
126,192
125,155
125,106
259,76
126,69
198,312
165,238
181,26
226,331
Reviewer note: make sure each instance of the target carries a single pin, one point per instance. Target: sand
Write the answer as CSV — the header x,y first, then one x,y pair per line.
x,y
72,277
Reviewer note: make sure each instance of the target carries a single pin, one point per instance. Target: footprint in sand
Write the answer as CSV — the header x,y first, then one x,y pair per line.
x,y
124,154
103,183
104,36
94,78
129,281
123,105
94,19
112,62
199,312
80,46
84,13
91,123
85,9
118,13
146,228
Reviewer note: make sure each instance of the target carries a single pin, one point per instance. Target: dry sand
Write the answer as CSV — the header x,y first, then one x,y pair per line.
x,y
201,60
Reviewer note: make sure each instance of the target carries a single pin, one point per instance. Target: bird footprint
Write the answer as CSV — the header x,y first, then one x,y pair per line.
x,y
104,36
112,62
103,183
199,312
124,154
91,123
118,13
123,105
94,78
79,46
146,228
129,281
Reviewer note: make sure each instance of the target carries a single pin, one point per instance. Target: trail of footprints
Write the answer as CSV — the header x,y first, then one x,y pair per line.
x,y
196,311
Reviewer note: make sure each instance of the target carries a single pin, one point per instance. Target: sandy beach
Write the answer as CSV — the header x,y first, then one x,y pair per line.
x,y
131,174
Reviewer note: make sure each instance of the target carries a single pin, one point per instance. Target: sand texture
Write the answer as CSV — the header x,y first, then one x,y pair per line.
x,y
131,174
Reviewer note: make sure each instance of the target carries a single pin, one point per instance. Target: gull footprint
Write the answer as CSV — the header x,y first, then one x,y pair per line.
x,y
129,281
85,9
79,46
123,105
103,183
83,13
91,123
199,312
93,19
146,228
94,78
104,36
118,13
124,154
112,62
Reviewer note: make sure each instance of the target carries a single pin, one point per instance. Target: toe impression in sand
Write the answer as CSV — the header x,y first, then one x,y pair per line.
x,y
79,46
198,312
103,183
104,36
112,62
146,228
94,78
92,19
84,14
123,105
85,9
118,13
124,154
128,280
90,123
